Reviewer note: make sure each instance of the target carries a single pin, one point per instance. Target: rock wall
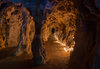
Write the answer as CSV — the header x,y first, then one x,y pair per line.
x,y
67,19
85,22
86,40
17,27
61,23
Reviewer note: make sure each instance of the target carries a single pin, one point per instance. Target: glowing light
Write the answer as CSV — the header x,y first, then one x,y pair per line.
x,y
57,41
68,50
56,37
62,44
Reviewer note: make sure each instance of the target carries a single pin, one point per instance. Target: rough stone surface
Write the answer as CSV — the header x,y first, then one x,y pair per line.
x,y
61,23
17,27
86,36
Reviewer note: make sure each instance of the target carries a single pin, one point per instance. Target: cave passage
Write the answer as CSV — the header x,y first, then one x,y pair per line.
x,y
49,34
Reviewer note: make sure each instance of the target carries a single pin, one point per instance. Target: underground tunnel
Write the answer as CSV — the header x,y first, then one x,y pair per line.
x,y
49,34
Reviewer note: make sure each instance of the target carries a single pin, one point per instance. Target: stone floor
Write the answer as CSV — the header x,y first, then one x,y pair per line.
x,y
57,58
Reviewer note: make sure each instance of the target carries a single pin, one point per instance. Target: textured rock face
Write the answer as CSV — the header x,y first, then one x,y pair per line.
x,y
61,24
86,26
86,37
16,26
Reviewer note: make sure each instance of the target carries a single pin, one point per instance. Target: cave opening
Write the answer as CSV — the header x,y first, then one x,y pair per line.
x,y
53,30
58,39
67,37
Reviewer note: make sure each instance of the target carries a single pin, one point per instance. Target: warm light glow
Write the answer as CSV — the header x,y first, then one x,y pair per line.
x,y
68,50
62,44
56,37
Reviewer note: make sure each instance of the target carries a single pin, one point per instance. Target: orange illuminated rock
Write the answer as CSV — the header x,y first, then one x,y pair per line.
x,y
17,27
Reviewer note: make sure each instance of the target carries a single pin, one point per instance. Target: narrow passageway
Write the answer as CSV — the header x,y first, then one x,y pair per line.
x,y
57,58
56,54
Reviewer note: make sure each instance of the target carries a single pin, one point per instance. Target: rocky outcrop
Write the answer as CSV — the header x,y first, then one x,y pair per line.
x,y
17,27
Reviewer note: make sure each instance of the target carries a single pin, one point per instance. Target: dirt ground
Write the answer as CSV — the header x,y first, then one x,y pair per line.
x,y
57,58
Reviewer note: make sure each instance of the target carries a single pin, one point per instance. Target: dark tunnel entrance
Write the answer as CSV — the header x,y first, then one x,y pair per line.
x,y
53,30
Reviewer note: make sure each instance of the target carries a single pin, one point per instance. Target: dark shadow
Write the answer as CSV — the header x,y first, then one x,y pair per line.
x,y
11,63
84,51
6,52
53,30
